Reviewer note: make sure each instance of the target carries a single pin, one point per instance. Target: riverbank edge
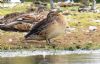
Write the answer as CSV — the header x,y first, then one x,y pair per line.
x,y
24,53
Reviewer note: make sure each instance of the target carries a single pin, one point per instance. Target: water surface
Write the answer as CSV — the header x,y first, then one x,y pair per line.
x,y
53,59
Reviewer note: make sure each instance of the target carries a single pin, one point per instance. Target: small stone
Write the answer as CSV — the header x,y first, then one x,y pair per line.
x,y
72,29
10,40
93,20
92,28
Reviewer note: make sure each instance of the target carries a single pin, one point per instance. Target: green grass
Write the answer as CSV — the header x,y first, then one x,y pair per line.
x,y
85,19
17,8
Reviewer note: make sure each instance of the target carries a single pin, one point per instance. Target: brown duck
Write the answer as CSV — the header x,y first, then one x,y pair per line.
x,y
51,27
22,21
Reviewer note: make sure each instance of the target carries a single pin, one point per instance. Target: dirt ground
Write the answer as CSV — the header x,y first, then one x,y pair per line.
x,y
77,39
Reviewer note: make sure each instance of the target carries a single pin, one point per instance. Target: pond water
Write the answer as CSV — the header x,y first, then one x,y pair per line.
x,y
53,59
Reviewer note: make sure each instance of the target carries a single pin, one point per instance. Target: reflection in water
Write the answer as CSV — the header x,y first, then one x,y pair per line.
x,y
44,61
54,59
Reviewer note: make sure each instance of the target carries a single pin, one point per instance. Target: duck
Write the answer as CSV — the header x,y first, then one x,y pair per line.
x,y
52,26
22,22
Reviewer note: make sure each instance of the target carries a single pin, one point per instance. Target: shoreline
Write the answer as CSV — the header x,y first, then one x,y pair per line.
x,y
25,53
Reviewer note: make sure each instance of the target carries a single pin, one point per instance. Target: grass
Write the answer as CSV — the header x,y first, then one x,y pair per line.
x,y
17,8
84,20
78,39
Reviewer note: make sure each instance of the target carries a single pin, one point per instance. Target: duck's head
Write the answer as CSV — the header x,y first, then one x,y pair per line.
x,y
53,13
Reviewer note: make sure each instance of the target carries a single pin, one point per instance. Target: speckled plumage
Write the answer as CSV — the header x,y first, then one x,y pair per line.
x,y
50,27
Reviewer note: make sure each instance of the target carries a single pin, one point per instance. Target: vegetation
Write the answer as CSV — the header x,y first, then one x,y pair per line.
x,y
17,8
57,0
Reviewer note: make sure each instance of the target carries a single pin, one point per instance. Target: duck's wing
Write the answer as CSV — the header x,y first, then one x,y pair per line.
x,y
42,25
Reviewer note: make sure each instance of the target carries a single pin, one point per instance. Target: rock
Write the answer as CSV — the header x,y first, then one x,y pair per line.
x,y
96,11
70,29
10,40
92,28
95,20
1,17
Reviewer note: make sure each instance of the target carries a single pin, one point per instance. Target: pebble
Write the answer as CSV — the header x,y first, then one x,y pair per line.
x,y
92,28
96,21
10,40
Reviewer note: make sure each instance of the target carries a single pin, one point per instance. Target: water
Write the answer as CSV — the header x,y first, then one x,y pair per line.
x,y
53,59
